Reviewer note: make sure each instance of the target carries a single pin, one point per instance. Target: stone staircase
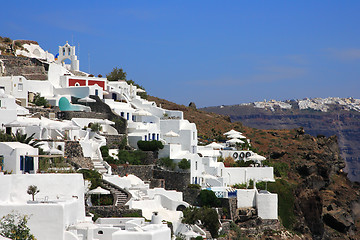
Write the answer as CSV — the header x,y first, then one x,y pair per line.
x,y
121,196
99,166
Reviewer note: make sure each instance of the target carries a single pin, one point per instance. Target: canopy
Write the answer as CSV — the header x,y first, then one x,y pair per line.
x,y
214,145
54,151
141,112
235,140
139,90
16,123
236,135
171,134
99,190
87,100
232,131
256,157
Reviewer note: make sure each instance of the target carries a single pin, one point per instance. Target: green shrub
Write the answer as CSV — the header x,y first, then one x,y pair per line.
x,y
167,162
136,157
14,226
150,145
207,216
93,176
95,127
208,198
40,101
280,169
194,186
184,164
286,201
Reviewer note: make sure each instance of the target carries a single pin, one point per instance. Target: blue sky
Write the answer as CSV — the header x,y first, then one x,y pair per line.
x,y
208,52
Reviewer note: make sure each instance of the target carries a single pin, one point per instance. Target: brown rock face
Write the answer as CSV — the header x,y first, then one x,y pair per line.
x,y
337,121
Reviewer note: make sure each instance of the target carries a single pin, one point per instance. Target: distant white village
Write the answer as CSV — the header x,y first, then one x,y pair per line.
x,y
58,211
318,104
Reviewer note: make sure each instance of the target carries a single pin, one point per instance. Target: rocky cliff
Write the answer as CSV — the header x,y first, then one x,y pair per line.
x,y
343,123
316,198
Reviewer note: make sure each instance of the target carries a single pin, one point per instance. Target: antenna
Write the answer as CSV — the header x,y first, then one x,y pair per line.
x,y
89,62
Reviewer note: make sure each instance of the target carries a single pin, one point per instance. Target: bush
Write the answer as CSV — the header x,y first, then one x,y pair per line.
x,y
229,162
136,157
14,226
286,201
207,216
194,186
150,145
93,176
184,164
280,169
208,198
40,101
167,162
95,127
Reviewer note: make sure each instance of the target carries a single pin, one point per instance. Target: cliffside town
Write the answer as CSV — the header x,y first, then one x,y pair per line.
x,y
145,159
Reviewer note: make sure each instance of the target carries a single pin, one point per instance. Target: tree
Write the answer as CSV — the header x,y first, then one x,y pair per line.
x,y
207,216
14,226
33,190
116,74
208,198
184,164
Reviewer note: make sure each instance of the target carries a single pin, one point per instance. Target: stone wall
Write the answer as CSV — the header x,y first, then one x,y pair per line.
x,y
145,172
113,211
190,195
31,68
100,107
173,180
73,149
43,112
82,162
114,141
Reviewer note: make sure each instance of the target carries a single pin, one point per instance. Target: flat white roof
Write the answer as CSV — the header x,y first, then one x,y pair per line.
x,y
16,145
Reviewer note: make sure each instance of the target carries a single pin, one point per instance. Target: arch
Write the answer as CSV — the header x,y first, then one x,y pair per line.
x,y
181,207
36,52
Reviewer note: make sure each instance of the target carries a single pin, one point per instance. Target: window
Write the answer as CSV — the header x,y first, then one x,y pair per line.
x,y
153,136
63,51
132,117
149,137
122,114
77,84
69,51
127,116
96,92
196,165
157,137
145,138
100,232
20,87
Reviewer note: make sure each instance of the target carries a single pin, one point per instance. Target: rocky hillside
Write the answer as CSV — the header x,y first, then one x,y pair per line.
x,y
316,199
339,120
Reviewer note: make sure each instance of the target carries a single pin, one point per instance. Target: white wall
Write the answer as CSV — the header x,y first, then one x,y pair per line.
x,y
244,174
65,193
246,198
267,205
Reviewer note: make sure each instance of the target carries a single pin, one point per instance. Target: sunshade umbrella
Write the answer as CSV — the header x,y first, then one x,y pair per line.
x,y
99,191
256,157
214,145
16,123
54,151
235,140
106,121
139,90
232,131
236,135
171,134
86,100
266,180
141,112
